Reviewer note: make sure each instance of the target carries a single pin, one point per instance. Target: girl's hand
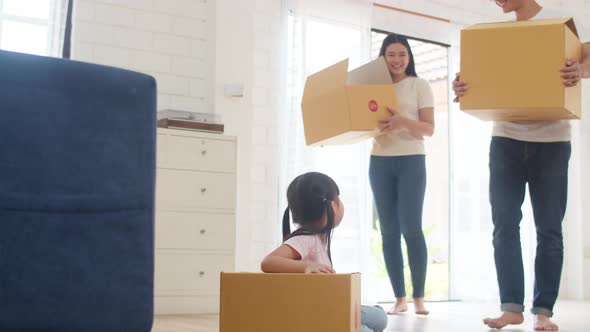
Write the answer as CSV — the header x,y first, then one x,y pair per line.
x,y
395,121
459,87
318,268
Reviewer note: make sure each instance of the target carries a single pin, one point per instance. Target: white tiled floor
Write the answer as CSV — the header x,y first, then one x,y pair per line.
x,y
571,316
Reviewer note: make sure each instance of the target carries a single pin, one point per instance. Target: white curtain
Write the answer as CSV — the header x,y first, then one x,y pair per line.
x,y
321,33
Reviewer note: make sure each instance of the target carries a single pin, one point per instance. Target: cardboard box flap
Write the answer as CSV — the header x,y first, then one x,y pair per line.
x,y
322,82
570,24
372,73
568,21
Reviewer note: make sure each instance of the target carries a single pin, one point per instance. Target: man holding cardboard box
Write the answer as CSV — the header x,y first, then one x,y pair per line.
x,y
536,152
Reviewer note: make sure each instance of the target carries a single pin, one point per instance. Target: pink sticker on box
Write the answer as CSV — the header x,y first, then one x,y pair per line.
x,y
373,106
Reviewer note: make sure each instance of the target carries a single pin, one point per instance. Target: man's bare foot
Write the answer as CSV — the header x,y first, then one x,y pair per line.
x,y
543,323
400,306
419,307
507,318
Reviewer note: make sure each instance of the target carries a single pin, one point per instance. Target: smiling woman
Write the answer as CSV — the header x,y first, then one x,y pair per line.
x,y
32,26
431,64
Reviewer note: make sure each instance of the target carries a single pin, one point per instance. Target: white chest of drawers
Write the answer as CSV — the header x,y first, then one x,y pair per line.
x,y
195,219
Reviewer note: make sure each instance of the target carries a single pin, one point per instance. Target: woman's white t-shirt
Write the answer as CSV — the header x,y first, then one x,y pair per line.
x,y
540,131
412,94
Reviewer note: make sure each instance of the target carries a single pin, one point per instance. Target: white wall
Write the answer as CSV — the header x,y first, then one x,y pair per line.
x,y
249,52
194,47
173,40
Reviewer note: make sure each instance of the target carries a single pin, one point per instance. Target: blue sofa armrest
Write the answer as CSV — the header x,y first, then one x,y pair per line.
x,y
77,178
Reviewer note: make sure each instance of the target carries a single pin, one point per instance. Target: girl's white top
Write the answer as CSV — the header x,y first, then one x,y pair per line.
x,y
311,248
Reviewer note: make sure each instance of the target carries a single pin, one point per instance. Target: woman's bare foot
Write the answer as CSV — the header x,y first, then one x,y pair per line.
x,y
507,318
419,307
400,306
543,323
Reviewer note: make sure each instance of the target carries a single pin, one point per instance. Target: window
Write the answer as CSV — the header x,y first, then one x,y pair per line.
x,y
32,26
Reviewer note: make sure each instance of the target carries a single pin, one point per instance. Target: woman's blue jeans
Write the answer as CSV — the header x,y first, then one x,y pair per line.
x,y
398,185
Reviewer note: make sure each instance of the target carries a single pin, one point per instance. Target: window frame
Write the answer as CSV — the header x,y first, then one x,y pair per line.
x,y
54,24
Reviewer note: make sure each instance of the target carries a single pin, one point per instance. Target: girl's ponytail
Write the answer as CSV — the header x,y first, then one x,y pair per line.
x,y
286,222
330,225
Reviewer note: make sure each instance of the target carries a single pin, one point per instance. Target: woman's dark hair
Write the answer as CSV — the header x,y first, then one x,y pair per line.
x,y
308,196
393,38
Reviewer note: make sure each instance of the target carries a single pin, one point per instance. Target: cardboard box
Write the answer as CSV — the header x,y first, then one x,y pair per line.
x,y
512,69
341,107
289,302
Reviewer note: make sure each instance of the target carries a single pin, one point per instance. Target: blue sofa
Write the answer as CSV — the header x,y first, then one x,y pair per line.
x,y
77,173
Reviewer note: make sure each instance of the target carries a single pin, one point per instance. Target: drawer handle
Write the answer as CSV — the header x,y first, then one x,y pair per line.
x,y
201,274
203,231
204,152
203,190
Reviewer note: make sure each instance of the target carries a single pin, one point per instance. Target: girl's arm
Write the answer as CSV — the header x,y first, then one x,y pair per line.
x,y
418,128
285,259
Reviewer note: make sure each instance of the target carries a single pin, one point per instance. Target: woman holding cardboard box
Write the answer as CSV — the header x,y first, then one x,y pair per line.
x,y
537,153
397,173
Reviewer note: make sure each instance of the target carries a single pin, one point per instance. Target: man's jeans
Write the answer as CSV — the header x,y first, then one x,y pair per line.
x,y
544,166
